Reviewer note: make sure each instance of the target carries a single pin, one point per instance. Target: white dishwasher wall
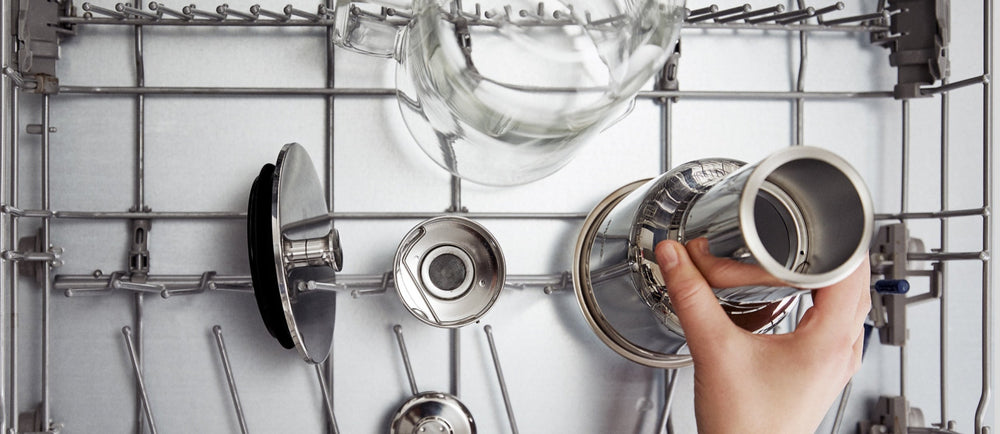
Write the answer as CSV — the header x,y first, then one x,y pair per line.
x,y
201,153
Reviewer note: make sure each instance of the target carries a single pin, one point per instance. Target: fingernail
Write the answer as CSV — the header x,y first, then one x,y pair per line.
x,y
701,244
666,256
704,246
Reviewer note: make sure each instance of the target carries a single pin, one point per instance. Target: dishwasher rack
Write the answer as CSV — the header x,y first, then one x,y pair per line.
x,y
37,256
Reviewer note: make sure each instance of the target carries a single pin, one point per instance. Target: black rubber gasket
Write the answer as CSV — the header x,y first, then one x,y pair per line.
x,y
261,252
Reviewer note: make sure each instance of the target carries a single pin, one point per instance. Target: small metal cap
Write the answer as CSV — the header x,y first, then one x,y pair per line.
x,y
433,413
449,271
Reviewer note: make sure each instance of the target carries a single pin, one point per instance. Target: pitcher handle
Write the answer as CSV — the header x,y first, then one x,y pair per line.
x,y
371,27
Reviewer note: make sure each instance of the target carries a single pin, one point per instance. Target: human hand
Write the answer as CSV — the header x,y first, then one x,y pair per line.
x,y
749,383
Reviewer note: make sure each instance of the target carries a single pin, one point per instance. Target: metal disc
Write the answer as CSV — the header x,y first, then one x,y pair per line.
x,y
449,271
291,195
433,413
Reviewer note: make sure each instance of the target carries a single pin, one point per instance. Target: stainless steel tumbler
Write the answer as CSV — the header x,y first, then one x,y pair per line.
x,y
802,214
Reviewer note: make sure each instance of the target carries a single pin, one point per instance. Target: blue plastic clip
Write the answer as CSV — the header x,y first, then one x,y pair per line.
x,y
892,286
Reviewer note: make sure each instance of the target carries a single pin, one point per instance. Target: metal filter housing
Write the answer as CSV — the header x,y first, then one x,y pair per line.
x,y
449,271
433,413
802,215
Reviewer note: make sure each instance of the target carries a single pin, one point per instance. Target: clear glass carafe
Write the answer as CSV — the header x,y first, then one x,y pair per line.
x,y
504,92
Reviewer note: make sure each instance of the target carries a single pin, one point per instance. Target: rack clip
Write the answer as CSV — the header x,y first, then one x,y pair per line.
x,y
919,45
38,35
667,79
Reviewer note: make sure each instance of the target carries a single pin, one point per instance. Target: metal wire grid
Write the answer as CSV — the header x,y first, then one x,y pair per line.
x,y
795,21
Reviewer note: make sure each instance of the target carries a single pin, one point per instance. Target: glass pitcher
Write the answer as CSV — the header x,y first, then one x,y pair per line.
x,y
504,92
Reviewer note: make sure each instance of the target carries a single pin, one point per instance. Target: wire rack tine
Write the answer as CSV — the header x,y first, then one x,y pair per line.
x,y
228,11
224,355
291,10
74,292
327,399
778,8
257,10
722,13
799,15
564,282
839,6
702,11
327,13
193,10
129,10
778,17
398,330
864,17
204,284
163,10
488,329
130,346
137,286
387,280
97,9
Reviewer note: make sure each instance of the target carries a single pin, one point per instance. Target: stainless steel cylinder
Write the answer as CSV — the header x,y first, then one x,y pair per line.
x,y
449,271
319,251
802,214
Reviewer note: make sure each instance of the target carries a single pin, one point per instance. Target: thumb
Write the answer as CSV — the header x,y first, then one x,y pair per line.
x,y
702,318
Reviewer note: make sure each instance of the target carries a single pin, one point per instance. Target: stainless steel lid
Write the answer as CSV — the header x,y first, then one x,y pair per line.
x,y
433,413
449,271
291,242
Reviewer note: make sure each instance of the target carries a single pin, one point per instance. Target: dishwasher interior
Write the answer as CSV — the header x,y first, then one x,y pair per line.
x,y
132,134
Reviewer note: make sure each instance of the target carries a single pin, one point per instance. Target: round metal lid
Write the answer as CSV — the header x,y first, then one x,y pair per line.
x,y
449,271
287,203
603,327
433,413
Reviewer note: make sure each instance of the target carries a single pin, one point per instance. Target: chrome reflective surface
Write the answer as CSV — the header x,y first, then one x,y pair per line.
x,y
297,195
431,413
803,214
449,271
794,201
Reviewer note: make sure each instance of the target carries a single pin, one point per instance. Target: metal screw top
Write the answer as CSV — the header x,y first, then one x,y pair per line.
x,y
433,413
449,271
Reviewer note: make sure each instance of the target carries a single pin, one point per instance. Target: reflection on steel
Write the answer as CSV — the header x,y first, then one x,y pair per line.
x,y
432,412
283,252
802,215
449,271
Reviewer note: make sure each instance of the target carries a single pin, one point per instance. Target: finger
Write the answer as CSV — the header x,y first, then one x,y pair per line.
x,y
702,318
838,307
857,353
864,307
725,272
